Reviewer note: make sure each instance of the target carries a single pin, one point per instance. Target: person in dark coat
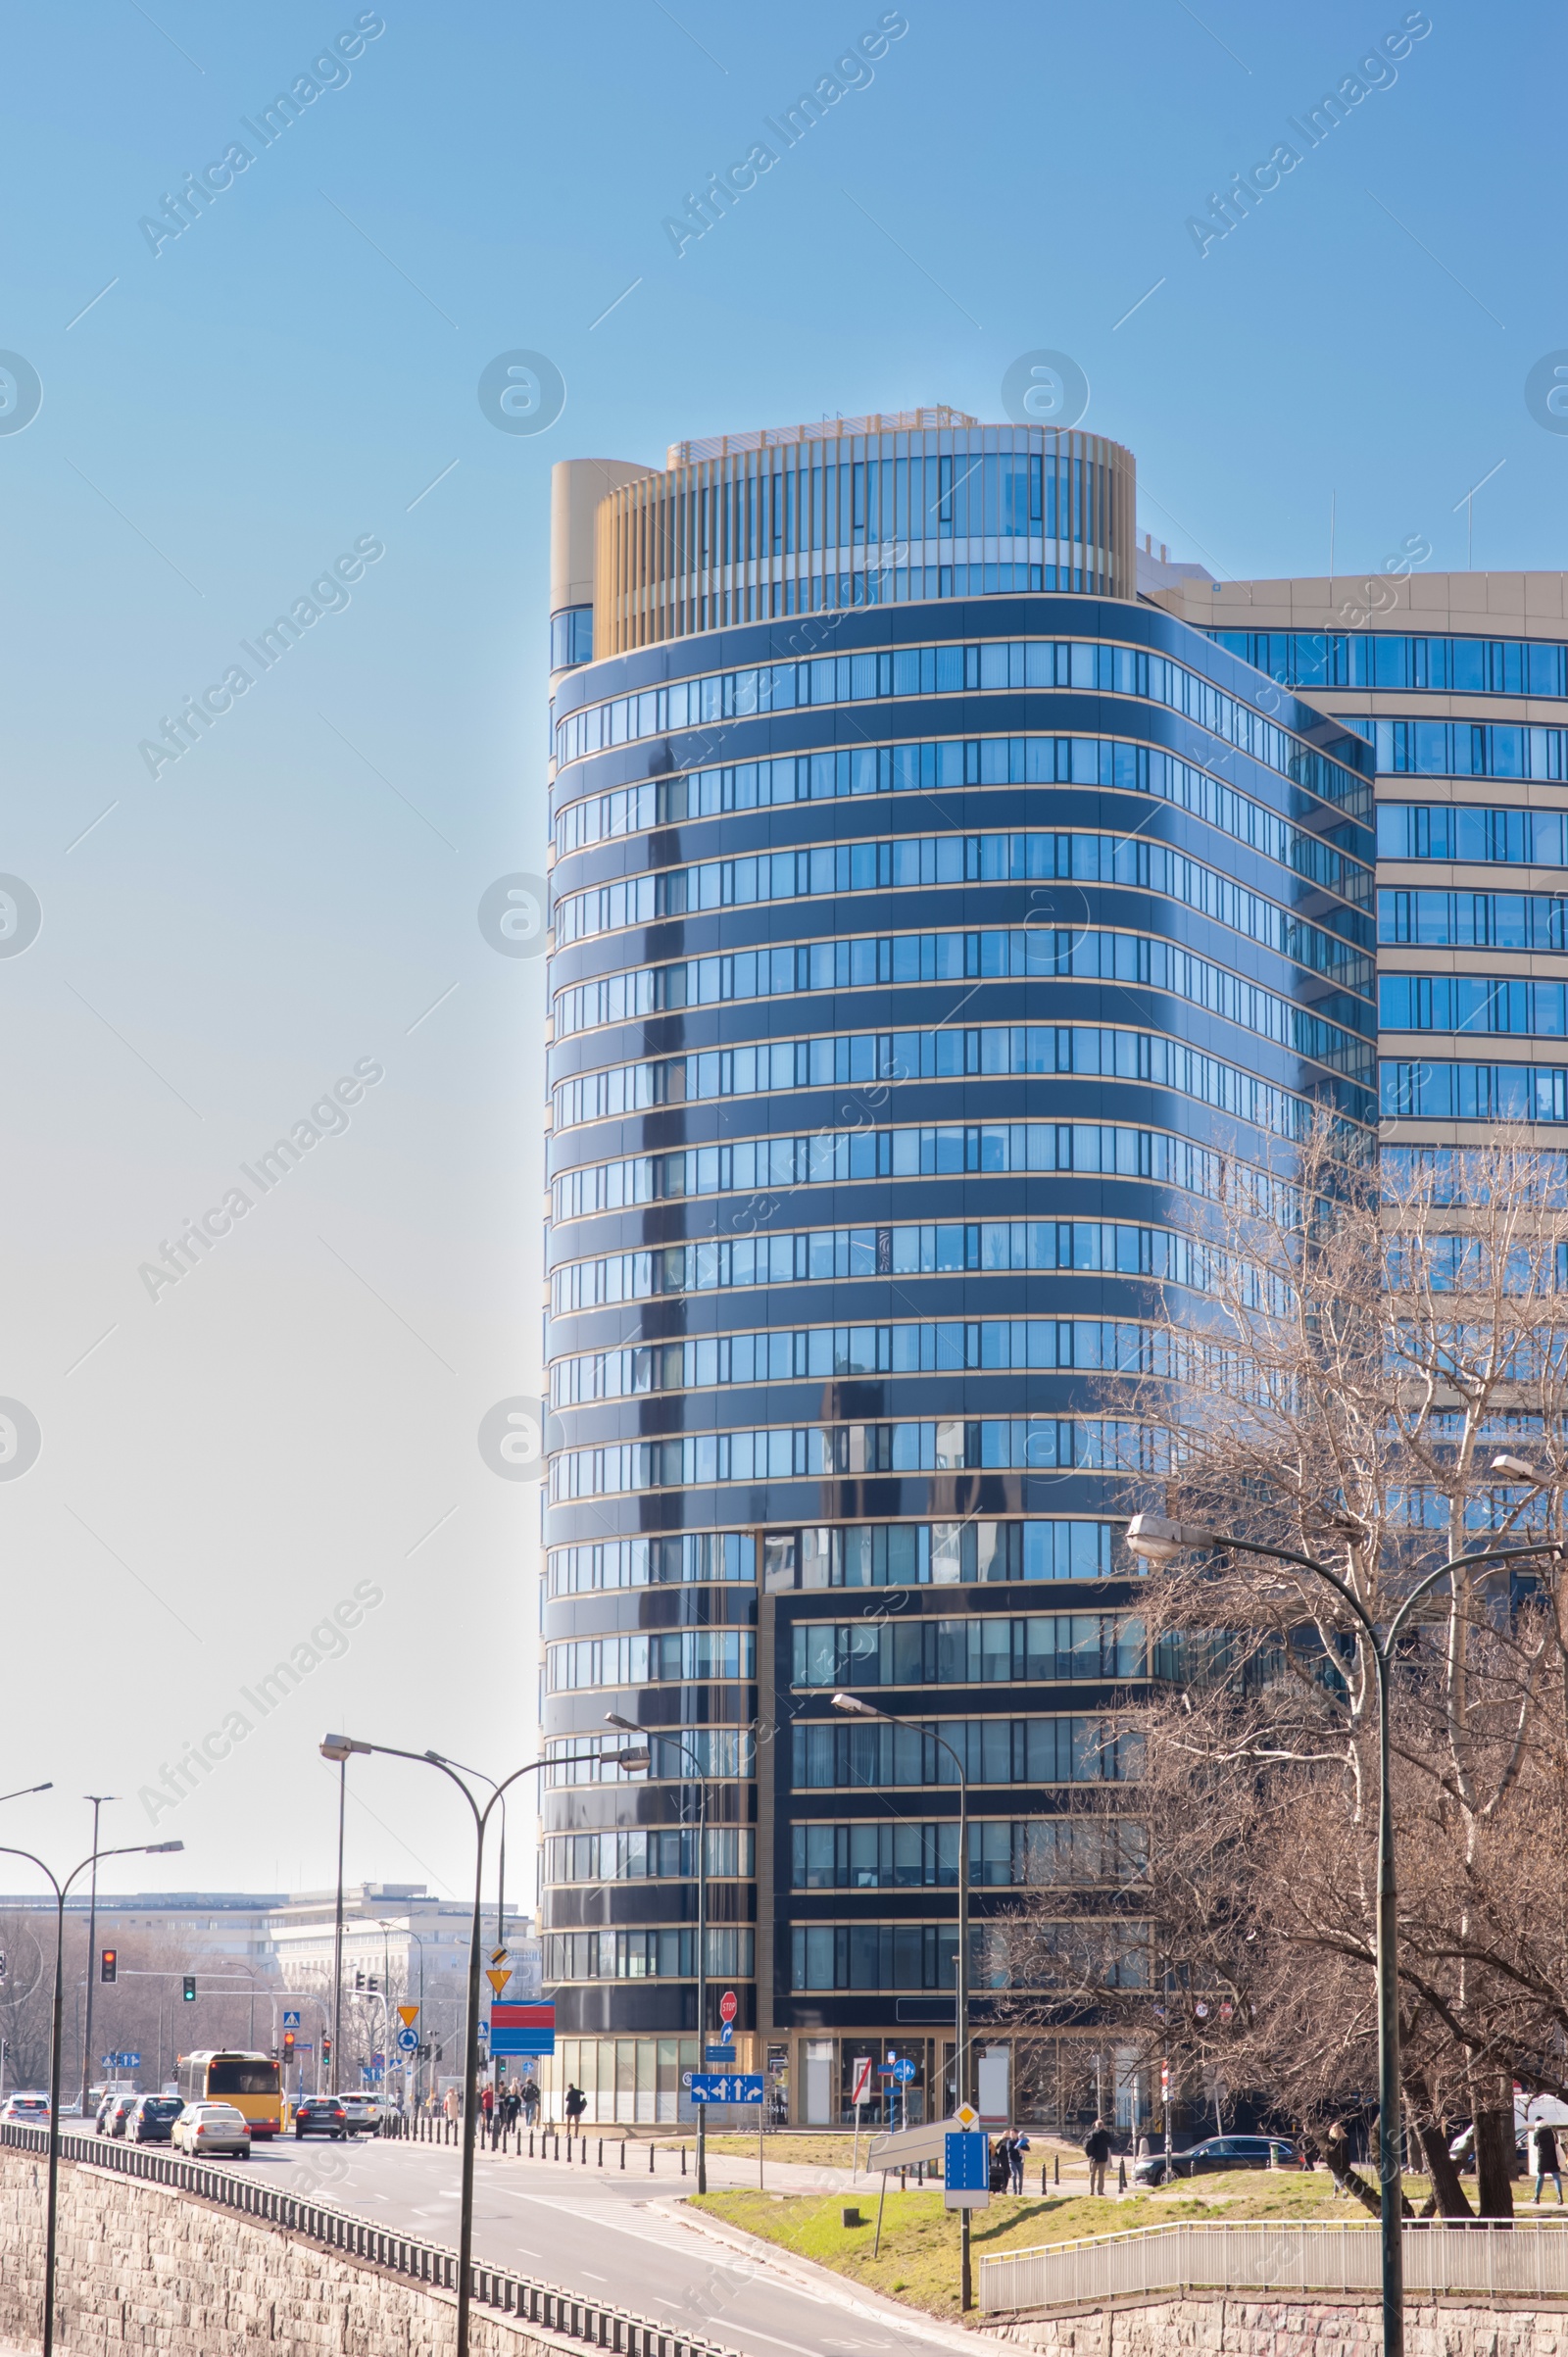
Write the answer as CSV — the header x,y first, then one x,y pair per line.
x,y
1096,2150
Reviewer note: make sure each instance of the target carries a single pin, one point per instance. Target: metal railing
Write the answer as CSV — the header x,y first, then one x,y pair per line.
x,y
1518,2258
432,2263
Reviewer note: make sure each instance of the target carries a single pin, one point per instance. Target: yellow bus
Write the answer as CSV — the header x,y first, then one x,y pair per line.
x,y
252,2083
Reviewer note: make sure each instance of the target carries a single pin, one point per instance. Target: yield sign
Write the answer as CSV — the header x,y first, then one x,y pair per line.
x,y
497,1980
408,2015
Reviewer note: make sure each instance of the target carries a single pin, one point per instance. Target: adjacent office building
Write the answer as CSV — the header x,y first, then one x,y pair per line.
x,y
940,888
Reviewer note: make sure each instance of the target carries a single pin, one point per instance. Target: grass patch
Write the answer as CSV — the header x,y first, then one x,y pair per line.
x,y
810,2149
919,2255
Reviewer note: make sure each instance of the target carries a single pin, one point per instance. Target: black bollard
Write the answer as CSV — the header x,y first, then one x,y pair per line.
x,y
623,2156
683,2160
601,2152
651,2150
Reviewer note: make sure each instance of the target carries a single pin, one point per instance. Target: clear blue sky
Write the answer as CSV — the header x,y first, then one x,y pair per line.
x,y
284,380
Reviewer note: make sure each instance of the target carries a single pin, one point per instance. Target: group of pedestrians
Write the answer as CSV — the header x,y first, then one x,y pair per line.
x,y
1007,2161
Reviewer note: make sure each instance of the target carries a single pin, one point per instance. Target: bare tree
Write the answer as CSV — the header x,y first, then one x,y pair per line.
x,y
1357,1347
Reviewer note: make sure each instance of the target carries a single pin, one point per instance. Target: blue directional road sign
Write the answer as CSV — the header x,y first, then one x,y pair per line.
x,y
903,2069
408,2041
726,2086
966,2170
724,2055
291,2021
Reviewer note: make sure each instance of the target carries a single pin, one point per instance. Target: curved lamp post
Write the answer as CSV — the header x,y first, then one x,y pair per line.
x,y
1158,1541
612,1718
858,1709
133,1850
340,1746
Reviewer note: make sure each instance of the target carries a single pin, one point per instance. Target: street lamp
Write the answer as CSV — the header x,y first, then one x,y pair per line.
x,y
643,1758
1158,1541
134,1849
858,1708
99,1801
339,1746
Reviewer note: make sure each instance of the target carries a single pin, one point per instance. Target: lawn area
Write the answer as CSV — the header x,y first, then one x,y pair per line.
x,y
919,2256
813,2148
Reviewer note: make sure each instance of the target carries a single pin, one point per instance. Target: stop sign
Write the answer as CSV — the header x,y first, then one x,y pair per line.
x,y
728,2005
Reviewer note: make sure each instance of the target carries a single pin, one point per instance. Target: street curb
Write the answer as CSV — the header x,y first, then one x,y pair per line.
x,y
806,2275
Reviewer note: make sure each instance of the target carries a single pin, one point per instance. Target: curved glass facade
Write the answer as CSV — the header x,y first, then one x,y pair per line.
x,y
827,519
898,1031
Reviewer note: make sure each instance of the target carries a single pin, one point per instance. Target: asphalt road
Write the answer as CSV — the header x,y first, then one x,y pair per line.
x,y
618,2239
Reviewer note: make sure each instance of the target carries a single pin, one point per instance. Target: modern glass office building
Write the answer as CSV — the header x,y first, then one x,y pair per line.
x,y
1461,683
932,915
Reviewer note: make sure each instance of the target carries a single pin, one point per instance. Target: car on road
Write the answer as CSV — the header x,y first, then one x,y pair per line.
x,y
28,2106
207,2127
151,2119
320,2116
108,2097
119,2112
1215,2153
362,2111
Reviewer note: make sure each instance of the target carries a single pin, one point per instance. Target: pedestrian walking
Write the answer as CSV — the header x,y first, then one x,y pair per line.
x,y
1544,2153
1001,2168
487,2104
1096,2150
576,2105
1020,2145
449,2104
530,2099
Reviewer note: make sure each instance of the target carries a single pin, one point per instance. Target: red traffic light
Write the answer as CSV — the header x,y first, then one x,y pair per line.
x,y
109,1964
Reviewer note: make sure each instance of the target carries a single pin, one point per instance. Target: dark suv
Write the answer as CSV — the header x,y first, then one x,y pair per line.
x,y
320,2116
1219,2152
151,2120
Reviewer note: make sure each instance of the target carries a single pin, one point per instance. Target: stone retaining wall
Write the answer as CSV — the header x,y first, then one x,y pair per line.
x,y
1243,2324
142,2266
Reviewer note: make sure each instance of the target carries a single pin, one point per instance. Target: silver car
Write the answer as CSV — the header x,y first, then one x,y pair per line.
x,y
204,2128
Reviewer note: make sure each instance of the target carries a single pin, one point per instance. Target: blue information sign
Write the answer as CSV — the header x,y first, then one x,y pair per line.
x,y
408,2041
726,2086
724,2055
966,2162
903,2069
291,2021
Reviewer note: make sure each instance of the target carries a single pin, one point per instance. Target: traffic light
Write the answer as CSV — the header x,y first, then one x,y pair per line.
x,y
189,1990
288,2043
374,1984
359,1981
326,2049
109,1964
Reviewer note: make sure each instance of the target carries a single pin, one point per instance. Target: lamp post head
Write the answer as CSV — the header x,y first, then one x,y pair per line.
x,y
1158,1540
1515,1465
160,1850
853,1704
612,1718
338,1747
640,1758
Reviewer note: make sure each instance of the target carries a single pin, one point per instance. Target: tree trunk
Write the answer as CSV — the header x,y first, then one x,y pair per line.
x,y
1495,2159
1450,2199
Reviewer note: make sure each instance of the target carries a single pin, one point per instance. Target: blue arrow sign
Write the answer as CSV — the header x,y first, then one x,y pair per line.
x,y
726,2086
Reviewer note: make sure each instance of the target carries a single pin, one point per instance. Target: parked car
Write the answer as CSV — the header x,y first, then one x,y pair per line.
x,y
1217,2152
320,2116
1462,2153
203,2129
362,2111
28,2106
151,2119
